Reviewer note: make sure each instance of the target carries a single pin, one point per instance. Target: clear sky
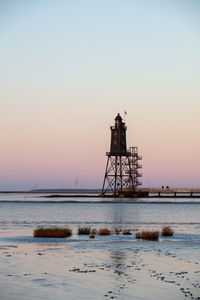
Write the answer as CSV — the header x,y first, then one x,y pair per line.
x,y
68,67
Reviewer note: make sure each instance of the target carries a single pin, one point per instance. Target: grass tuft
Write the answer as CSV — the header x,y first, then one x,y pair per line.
x,y
117,231
150,235
138,235
52,232
167,231
84,230
104,231
91,236
126,232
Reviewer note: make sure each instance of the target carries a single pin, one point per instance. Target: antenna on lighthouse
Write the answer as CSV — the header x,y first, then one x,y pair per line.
x,y
125,113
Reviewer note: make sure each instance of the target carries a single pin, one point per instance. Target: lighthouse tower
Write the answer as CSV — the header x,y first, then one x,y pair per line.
x,y
121,174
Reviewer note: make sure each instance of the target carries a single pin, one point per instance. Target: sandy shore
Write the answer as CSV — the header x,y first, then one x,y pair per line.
x,y
103,268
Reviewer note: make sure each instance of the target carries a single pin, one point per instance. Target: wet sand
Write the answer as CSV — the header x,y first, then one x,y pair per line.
x,y
103,268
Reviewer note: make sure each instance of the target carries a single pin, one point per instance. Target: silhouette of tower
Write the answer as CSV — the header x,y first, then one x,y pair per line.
x,y
121,174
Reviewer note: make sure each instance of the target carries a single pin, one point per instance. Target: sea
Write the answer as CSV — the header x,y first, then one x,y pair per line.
x,y
25,212
107,267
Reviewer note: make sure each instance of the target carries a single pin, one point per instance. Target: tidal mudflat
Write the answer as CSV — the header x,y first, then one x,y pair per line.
x,y
116,266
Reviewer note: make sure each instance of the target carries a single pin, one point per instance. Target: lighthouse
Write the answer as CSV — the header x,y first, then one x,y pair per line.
x,y
121,174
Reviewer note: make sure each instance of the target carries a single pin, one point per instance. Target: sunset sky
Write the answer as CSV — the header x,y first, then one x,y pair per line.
x,y
68,67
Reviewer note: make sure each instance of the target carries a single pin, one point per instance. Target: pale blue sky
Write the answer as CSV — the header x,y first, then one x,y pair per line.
x,y
68,67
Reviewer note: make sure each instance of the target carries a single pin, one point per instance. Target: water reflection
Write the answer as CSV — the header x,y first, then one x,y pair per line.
x,y
118,259
118,256
118,263
122,215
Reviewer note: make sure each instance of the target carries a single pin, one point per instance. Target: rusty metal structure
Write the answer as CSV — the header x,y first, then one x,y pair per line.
x,y
122,167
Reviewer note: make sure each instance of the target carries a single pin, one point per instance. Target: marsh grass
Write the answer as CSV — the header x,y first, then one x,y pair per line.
x,y
117,231
126,232
150,235
104,231
167,231
138,235
52,232
84,230
91,236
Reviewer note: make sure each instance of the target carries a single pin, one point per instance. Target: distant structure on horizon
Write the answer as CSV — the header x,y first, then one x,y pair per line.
x,y
122,174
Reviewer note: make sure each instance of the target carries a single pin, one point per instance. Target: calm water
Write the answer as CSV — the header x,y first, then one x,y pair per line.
x,y
40,268
20,212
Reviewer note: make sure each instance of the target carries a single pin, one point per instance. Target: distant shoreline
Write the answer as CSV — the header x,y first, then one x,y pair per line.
x,y
54,191
96,193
